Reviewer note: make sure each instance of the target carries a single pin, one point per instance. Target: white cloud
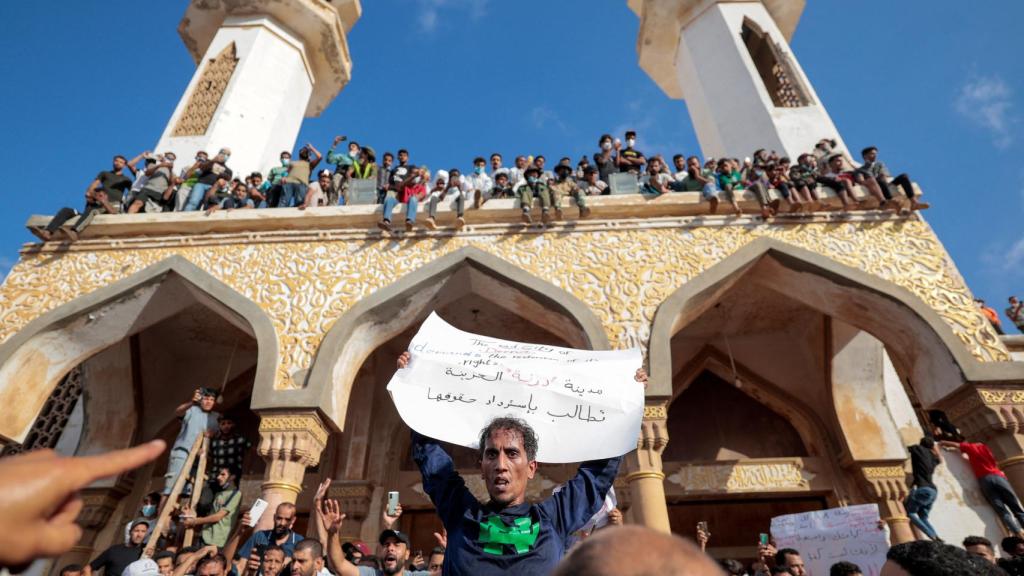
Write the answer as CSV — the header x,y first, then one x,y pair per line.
x,y
544,117
987,102
430,11
1013,258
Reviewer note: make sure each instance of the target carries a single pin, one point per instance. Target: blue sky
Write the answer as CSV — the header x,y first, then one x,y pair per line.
x,y
938,86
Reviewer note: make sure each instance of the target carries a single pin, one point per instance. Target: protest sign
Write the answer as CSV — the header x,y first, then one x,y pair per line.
x,y
584,405
829,536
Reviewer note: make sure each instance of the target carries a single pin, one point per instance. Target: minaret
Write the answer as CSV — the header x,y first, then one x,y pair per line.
x,y
262,66
731,62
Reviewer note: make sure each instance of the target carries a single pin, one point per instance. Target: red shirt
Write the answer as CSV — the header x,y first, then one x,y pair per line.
x,y
982,461
417,190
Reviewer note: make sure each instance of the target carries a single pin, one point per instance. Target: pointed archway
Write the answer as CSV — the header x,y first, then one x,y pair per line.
x,y
138,349
391,310
369,454
823,332
34,360
920,342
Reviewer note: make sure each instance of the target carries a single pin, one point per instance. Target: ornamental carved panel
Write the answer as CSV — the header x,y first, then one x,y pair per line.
x,y
622,273
207,94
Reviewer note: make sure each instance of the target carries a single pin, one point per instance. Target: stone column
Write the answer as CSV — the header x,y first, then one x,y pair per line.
x,y
289,443
886,485
644,473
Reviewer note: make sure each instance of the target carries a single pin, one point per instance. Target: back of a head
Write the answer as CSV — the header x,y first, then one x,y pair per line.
x,y
927,558
844,569
1010,544
732,567
613,552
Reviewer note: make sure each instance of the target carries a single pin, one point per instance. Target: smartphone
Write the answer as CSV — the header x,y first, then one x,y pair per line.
x,y
764,539
392,503
702,526
257,510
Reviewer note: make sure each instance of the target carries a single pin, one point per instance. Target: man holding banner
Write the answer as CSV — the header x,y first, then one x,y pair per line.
x,y
585,403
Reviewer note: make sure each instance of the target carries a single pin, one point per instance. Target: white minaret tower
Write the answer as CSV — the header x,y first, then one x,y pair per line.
x,y
731,61
262,66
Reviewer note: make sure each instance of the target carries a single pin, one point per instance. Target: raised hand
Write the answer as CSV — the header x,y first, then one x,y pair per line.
x,y
321,491
332,515
391,521
615,517
442,538
641,376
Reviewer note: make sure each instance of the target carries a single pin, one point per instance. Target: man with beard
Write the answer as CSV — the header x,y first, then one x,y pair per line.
x,y
281,535
508,534
308,559
115,559
394,548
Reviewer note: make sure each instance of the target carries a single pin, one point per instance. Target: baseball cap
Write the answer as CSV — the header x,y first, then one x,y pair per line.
x,y
143,567
361,546
400,536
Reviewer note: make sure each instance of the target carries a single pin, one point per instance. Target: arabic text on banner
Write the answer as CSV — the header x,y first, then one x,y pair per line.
x,y
829,536
584,405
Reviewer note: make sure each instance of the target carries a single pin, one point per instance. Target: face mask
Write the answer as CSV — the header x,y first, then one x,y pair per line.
x,y
227,157
479,170
531,180
416,180
630,142
354,154
286,161
149,510
201,159
606,146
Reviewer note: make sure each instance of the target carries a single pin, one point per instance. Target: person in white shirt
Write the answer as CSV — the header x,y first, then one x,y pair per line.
x,y
318,192
679,161
517,175
448,188
479,184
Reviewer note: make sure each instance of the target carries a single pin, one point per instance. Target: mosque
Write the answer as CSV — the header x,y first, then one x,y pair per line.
x,y
791,362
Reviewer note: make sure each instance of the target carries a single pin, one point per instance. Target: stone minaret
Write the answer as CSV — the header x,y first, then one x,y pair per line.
x,y
262,66
731,61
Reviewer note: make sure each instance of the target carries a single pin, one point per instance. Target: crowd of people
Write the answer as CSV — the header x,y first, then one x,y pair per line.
x,y
507,534
1015,312
156,183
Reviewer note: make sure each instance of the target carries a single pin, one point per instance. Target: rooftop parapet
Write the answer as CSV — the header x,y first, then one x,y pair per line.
x,y
497,216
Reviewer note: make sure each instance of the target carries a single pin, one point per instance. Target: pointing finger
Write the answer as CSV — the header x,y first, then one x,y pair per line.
x,y
82,471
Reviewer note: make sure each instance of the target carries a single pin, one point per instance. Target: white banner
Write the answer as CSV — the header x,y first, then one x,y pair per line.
x,y
584,405
829,536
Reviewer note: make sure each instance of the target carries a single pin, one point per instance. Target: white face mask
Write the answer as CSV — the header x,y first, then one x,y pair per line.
x,y
630,142
606,146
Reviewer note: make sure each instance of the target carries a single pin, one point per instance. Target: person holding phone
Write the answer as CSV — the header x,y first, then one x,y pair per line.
x,y
280,535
